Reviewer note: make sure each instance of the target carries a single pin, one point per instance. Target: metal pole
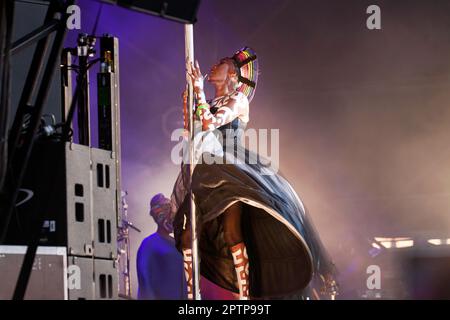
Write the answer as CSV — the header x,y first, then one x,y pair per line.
x,y
6,30
189,46
37,34
126,273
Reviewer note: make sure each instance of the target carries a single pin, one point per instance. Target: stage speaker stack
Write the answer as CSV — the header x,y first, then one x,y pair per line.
x,y
77,189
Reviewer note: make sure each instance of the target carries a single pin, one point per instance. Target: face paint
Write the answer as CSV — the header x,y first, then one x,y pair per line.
x,y
161,214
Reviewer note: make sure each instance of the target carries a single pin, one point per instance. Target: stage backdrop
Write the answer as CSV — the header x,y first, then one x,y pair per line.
x,y
363,114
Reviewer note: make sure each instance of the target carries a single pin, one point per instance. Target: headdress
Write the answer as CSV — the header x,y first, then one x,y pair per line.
x,y
246,63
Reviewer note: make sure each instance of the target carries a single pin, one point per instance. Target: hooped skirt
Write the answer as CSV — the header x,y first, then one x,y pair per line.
x,y
283,246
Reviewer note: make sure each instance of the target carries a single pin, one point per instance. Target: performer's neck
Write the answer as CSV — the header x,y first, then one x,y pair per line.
x,y
222,89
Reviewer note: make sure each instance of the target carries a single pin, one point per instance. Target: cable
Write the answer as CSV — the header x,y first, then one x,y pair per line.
x,y
97,19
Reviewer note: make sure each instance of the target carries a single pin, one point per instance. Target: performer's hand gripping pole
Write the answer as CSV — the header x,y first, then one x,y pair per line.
x,y
189,45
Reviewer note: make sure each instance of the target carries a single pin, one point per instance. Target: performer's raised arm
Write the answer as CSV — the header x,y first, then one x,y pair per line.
x,y
237,106
234,104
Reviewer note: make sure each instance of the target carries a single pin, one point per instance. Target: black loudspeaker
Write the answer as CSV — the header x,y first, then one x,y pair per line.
x,y
184,11
74,187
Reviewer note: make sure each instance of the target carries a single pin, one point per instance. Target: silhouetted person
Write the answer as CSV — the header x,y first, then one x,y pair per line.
x,y
159,264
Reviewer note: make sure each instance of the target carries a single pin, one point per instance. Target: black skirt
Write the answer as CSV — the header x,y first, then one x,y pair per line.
x,y
283,247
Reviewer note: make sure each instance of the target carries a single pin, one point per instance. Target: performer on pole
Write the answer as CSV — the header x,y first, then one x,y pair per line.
x,y
190,255
255,237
